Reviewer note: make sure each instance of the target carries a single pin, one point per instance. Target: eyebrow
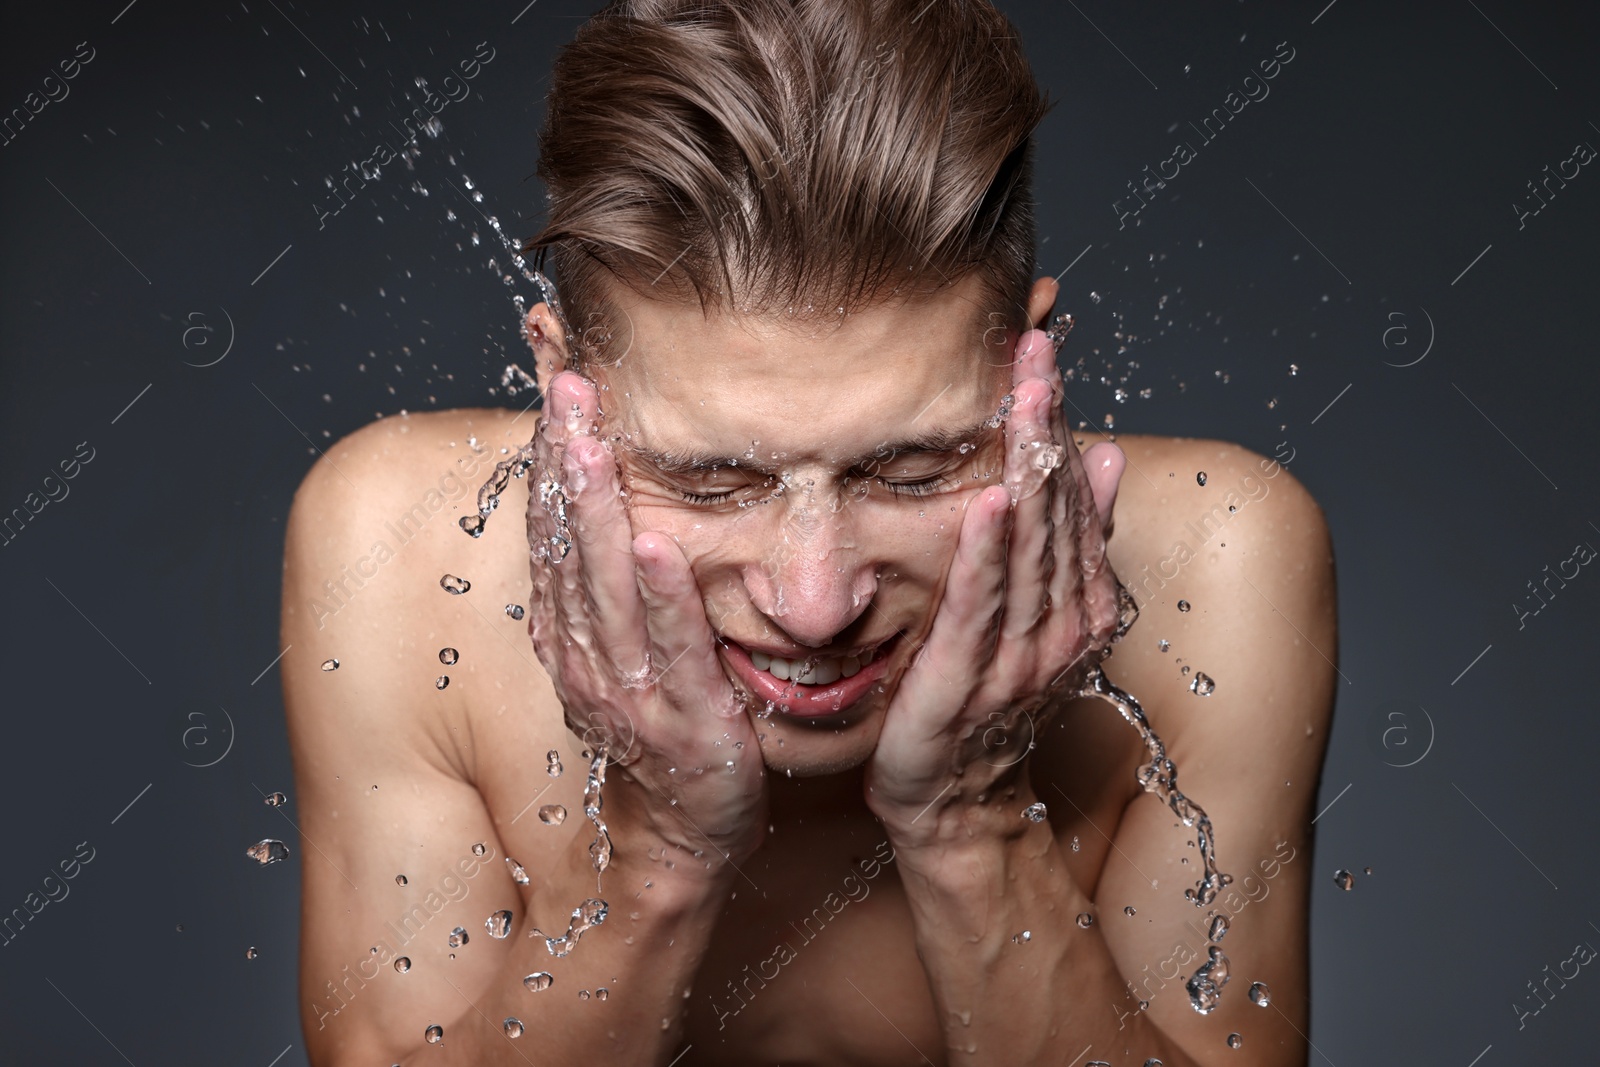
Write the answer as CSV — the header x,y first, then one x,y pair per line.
x,y
680,461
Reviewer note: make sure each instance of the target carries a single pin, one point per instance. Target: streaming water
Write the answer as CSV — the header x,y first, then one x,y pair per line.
x,y
1160,776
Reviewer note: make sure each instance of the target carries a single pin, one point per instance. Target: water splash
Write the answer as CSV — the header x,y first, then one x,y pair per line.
x,y
600,847
268,851
1205,986
1160,776
585,916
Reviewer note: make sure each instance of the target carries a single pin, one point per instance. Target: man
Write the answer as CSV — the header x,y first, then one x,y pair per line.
x,y
825,586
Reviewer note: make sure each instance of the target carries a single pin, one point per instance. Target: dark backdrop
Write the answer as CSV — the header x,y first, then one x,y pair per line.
x,y
1359,223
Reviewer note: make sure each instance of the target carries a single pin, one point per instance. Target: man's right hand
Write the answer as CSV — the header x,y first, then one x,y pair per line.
x,y
619,625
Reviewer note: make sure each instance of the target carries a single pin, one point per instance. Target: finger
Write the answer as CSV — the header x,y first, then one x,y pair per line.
x,y
682,647
1105,464
603,540
961,640
1030,476
1035,358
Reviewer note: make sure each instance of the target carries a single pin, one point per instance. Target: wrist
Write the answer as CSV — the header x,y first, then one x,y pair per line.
x,y
965,822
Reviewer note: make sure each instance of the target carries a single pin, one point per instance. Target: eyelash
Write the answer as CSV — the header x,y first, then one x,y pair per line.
x,y
926,487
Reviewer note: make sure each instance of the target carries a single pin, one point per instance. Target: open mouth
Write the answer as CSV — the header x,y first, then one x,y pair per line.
x,y
811,686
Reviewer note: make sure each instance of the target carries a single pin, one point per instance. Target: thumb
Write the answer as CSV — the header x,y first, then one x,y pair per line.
x,y
1104,464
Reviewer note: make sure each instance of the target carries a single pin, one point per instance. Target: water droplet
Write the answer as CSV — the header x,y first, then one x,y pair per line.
x,y
1201,477
1025,936
1183,605
479,849
1085,920
453,585
434,1034
399,879
251,953
448,656
602,993
1205,985
1164,644
1130,911
1075,845
1095,298
402,964
1344,879
442,681
513,1026
1203,685
458,937
519,874
552,814
1260,995
1366,870
538,981
1034,812
330,664
515,611
1294,368
1049,457
267,851
275,800
583,994
1219,927
498,925
1234,1041
1152,1062
553,764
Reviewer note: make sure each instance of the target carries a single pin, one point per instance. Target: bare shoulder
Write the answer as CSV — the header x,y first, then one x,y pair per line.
x,y
1231,562
373,531
385,678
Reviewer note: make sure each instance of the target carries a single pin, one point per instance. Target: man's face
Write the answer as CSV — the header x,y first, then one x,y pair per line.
x,y
816,479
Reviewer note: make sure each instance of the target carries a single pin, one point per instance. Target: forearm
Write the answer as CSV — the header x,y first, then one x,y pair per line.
x,y
645,955
1017,981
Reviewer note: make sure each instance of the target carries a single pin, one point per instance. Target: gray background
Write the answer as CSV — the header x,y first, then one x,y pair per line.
x,y
142,610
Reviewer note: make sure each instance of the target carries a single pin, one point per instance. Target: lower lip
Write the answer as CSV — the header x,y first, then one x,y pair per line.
x,y
806,701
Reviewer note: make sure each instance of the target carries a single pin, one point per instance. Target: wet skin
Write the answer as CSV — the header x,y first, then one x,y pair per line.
x,y
842,546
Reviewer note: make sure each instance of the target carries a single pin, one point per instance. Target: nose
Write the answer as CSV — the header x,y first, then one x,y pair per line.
x,y
814,580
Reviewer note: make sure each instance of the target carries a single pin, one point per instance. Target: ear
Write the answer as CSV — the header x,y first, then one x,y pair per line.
x,y
549,344
1042,301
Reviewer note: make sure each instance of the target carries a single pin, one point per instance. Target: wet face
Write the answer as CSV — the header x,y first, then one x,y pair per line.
x,y
815,478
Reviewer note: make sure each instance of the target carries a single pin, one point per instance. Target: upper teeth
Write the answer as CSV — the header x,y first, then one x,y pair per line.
x,y
813,671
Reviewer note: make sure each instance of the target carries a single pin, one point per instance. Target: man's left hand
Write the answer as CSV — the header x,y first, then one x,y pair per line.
x,y
1029,602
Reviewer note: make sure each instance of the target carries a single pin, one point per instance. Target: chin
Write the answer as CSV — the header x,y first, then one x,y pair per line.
x,y
815,751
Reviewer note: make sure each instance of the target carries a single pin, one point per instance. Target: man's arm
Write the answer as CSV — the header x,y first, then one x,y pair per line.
x,y
384,787
1262,624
